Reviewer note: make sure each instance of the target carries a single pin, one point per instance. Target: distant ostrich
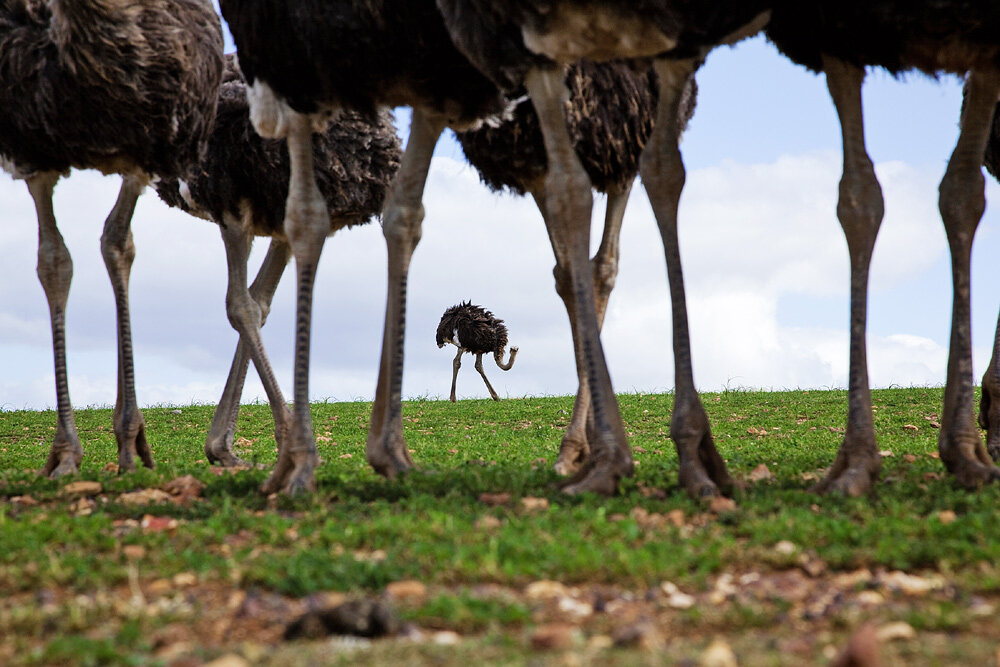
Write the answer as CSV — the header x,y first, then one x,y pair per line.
x,y
242,183
474,329
520,43
363,55
989,404
933,36
610,118
124,88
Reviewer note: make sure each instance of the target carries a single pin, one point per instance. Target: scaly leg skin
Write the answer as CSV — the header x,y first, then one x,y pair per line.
x,y
307,224
860,211
455,365
567,207
989,404
246,316
401,225
55,272
703,472
479,367
219,443
962,203
118,251
574,448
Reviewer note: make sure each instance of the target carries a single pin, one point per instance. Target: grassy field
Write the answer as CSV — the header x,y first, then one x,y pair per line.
x,y
145,569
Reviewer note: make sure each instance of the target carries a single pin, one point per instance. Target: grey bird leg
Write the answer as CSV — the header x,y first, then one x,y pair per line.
x,y
567,206
604,264
55,272
860,211
119,252
702,470
455,365
307,224
219,443
962,202
989,404
479,367
246,317
401,221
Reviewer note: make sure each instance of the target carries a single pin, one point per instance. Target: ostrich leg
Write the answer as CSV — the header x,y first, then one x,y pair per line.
x,y
989,404
860,211
567,210
479,367
119,252
386,449
962,202
455,365
702,471
55,272
246,316
604,264
306,226
219,443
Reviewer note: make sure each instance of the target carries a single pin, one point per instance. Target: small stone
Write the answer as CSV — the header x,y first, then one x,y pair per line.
x,y
575,608
134,551
408,589
446,638
158,524
185,579
912,584
785,548
910,427
144,497
176,412
110,467
760,474
82,488
895,631
544,589
494,499
184,489
676,517
159,587
487,522
553,636
24,501
642,635
82,507
870,598
534,504
600,642
947,516
718,654
909,458
886,453
722,505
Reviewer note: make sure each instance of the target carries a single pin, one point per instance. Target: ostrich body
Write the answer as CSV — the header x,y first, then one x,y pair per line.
x,y
932,36
241,183
610,119
474,329
521,43
307,59
127,89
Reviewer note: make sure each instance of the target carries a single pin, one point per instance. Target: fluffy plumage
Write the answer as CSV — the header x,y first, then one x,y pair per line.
x,y
473,328
107,85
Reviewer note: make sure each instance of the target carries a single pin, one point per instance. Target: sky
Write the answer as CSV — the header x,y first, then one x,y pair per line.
x,y
765,263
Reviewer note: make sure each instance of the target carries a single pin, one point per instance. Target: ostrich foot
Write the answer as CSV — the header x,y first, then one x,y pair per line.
x,y
855,469
389,457
703,472
219,451
599,475
132,444
573,453
64,458
295,471
966,458
991,426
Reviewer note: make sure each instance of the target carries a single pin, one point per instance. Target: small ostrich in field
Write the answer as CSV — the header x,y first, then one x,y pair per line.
x,y
989,404
126,89
362,55
841,39
474,329
522,43
241,183
609,118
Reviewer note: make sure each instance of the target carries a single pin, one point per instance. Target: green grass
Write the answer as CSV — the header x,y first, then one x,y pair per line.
x,y
68,578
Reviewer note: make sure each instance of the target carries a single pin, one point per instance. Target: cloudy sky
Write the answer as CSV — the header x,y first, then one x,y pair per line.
x,y
765,264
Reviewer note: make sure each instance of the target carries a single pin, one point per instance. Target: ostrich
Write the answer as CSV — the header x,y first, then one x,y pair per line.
x,y
474,329
610,120
520,43
989,403
127,89
932,36
362,55
241,183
